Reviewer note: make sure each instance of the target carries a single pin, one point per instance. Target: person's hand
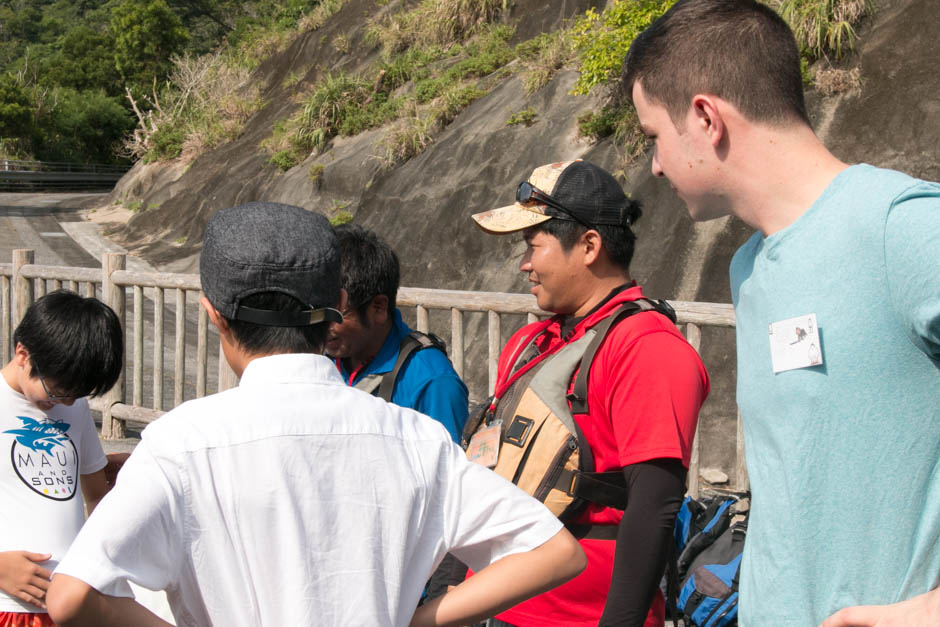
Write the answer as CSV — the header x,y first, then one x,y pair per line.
x,y
22,577
920,610
115,463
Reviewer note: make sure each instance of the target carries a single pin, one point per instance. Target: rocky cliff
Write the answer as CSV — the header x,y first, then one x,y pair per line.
x,y
891,117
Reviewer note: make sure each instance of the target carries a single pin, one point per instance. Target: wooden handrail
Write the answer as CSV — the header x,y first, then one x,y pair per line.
x,y
22,281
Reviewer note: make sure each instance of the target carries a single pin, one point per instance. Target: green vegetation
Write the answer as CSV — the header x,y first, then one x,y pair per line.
x,y
291,79
114,80
434,23
316,174
343,217
542,56
602,40
284,160
525,117
618,121
76,74
824,28
437,59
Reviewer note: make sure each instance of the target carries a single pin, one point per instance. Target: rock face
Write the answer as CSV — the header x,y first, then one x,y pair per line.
x,y
422,206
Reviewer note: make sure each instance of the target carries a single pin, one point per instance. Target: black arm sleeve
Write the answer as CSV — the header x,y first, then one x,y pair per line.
x,y
655,490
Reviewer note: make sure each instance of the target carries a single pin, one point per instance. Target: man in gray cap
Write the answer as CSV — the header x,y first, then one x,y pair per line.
x,y
294,499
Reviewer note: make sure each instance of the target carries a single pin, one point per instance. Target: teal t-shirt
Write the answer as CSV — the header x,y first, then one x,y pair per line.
x,y
843,457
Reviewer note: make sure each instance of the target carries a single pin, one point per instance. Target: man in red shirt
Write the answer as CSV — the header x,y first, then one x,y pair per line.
x,y
645,387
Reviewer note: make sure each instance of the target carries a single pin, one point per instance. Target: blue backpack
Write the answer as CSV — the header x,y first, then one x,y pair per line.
x,y
703,578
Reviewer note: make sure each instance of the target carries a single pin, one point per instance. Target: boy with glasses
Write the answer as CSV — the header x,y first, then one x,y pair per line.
x,y
67,347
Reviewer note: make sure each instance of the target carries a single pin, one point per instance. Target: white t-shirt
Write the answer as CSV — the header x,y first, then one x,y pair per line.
x,y
296,500
42,457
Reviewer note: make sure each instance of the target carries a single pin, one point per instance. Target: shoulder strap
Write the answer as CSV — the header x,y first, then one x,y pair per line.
x,y
578,396
414,341
369,383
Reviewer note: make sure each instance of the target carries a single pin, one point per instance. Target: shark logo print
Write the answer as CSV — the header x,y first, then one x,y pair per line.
x,y
45,458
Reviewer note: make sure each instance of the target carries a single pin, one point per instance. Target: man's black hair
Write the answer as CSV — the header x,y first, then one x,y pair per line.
x,y
618,240
256,339
76,343
369,267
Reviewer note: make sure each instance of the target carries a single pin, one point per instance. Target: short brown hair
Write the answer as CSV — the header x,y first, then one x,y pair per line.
x,y
739,50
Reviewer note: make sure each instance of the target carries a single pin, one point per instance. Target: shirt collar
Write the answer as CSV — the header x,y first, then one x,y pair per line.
x,y
290,368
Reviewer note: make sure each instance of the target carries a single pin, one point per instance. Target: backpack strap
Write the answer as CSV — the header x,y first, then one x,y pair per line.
x,y
414,341
604,488
672,583
578,395
369,383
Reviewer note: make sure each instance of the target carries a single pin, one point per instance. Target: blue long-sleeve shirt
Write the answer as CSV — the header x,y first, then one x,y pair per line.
x,y
427,382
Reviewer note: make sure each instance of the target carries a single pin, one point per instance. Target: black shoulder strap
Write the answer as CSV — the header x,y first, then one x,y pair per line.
x,y
414,341
578,396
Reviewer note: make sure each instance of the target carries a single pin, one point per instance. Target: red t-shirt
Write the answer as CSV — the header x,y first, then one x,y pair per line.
x,y
644,393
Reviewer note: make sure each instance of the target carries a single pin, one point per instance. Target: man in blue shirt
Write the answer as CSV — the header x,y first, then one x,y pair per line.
x,y
367,343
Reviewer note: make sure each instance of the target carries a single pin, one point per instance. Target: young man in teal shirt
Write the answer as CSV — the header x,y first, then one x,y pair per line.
x,y
837,298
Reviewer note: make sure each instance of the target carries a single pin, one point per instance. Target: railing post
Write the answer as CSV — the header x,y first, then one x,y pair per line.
x,y
179,355
456,340
202,352
138,386
23,293
493,357
694,336
113,428
158,306
421,315
6,296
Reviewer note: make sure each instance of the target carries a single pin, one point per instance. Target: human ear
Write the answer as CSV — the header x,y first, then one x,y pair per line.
x,y
378,308
707,118
214,315
592,243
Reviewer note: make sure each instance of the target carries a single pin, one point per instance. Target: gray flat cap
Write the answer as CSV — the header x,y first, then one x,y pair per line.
x,y
269,247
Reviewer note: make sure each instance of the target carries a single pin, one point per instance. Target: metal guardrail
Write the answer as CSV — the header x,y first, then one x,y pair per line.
x,y
25,176
23,281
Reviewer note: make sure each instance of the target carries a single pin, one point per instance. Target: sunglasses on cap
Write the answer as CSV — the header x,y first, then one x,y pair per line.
x,y
527,192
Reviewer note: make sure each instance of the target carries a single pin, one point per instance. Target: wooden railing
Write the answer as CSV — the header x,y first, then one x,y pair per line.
x,y
16,175
23,281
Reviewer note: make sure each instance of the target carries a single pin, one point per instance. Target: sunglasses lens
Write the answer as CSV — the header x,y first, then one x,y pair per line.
x,y
524,192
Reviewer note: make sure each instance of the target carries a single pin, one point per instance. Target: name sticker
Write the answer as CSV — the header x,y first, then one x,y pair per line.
x,y
794,343
484,445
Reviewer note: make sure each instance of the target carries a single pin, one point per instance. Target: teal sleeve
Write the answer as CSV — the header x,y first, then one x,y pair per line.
x,y
912,264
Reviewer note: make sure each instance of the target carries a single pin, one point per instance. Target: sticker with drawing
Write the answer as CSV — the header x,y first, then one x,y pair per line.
x,y
45,458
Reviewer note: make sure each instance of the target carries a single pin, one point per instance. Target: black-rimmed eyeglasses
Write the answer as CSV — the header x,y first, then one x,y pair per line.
x,y
45,388
527,192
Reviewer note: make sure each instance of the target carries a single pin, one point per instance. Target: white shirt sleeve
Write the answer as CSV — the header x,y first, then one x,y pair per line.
x,y
91,456
135,533
486,517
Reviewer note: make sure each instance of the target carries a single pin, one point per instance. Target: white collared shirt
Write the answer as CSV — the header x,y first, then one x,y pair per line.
x,y
294,499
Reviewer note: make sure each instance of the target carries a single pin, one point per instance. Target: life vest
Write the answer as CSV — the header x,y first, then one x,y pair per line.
x,y
541,448
383,384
